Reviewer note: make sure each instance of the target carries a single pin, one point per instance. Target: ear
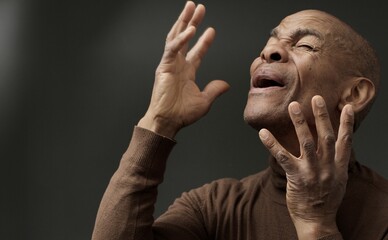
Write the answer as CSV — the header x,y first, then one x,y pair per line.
x,y
358,92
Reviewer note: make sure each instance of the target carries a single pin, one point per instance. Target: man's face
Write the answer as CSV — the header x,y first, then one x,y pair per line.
x,y
298,62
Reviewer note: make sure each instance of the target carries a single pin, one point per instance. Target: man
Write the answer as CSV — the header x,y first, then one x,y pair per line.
x,y
311,86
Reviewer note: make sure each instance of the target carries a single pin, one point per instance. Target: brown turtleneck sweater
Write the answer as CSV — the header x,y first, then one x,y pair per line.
x,y
227,209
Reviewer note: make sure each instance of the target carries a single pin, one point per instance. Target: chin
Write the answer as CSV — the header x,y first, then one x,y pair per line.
x,y
256,122
256,119
277,122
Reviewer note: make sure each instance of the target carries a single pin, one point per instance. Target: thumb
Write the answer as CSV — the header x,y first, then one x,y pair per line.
x,y
215,88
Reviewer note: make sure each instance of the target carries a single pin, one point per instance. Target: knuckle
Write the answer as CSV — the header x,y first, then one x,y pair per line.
x,y
326,177
185,21
349,122
299,122
169,49
323,115
329,140
347,139
308,146
282,157
169,46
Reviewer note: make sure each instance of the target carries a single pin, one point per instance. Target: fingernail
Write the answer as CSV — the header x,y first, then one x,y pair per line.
x,y
263,134
319,101
295,108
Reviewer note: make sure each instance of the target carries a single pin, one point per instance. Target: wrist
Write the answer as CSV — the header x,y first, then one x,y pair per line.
x,y
159,126
315,230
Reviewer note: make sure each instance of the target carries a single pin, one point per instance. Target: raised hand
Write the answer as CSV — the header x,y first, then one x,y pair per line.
x,y
176,99
316,180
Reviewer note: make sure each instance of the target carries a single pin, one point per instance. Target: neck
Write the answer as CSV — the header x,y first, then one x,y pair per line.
x,y
289,141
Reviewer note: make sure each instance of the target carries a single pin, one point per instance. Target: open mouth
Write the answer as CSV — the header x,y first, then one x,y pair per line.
x,y
266,83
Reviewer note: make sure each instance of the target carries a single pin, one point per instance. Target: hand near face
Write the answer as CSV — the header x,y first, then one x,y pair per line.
x,y
176,99
316,180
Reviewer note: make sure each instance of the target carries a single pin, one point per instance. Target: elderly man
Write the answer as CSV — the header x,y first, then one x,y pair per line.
x,y
311,86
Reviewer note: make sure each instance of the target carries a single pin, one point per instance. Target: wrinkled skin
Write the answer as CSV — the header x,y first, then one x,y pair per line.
x,y
300,119
176,100
316,179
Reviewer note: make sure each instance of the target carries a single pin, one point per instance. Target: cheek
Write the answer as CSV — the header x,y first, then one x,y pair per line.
x,y
254,65
320,80
314,75
306,66
309,77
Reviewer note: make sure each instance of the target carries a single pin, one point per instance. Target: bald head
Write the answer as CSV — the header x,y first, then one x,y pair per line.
x,y
353,54
311,53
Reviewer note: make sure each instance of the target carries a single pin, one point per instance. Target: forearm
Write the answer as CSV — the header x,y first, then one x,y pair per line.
x,y
128,203
126,209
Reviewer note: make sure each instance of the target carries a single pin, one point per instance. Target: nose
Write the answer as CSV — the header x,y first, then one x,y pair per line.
x,y
274,53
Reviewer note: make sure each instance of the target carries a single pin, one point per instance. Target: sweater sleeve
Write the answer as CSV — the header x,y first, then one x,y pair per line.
x,y
126,209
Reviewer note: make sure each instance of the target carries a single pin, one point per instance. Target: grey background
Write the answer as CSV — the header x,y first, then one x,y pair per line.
x,y
76,76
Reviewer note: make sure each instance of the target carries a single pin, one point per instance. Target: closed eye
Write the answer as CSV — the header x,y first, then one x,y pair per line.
x,y
306,47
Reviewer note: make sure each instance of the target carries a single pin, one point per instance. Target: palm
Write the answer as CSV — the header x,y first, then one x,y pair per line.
x,y
176,99
177,94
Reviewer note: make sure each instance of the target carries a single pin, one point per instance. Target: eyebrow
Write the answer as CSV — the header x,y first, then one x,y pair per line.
x,y
298,33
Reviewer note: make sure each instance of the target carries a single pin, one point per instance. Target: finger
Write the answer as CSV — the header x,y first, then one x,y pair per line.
x,y
197,18
196,54
343,145
182,22
198,15
306,141
282,156
326,137
214,89
172,48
